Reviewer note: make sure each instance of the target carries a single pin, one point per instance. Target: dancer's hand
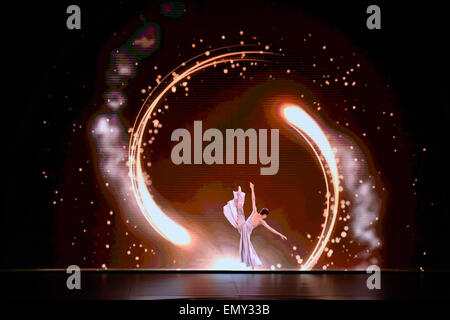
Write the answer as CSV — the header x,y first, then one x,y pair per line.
x,y
283,237
252,185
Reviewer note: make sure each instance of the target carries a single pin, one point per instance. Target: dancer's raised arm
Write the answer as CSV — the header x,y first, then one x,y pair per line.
x,y
265,224
252,186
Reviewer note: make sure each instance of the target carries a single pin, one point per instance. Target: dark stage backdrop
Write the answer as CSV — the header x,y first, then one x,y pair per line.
x,y
72,97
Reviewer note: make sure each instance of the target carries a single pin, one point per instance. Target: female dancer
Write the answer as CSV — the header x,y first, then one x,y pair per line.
x,y
234,212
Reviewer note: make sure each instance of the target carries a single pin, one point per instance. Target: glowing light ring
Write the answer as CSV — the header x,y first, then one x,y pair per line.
x,y
165,226
305,125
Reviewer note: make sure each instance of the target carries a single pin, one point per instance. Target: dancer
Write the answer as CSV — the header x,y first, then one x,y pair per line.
x,y
234,212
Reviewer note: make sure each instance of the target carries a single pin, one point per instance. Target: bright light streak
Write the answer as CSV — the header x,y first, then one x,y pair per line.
x,y
164,225
305,125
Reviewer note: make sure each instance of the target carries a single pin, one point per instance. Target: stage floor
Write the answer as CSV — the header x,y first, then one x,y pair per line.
x,y
234,285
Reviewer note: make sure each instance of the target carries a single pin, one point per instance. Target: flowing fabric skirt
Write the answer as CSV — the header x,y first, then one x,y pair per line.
x,y
234,212
246,251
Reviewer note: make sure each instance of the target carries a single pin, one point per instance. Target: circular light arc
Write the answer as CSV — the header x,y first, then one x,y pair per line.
x,y
303,123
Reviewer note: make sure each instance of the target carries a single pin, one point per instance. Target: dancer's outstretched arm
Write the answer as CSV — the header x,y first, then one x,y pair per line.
x,y
265,224
252,186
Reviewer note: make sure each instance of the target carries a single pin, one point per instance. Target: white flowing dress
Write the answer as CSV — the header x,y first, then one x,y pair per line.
x,y
234,212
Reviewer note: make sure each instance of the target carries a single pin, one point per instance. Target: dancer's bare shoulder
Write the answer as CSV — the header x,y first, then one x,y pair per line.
x,y
256,219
